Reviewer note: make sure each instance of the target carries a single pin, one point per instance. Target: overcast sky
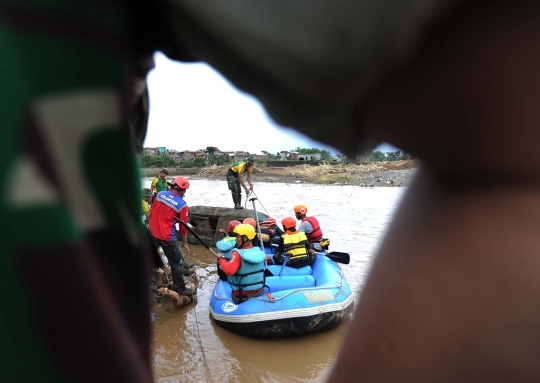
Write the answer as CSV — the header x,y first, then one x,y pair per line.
x,y
193,107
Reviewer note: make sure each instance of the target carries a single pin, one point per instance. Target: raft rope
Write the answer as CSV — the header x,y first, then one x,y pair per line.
x,y
252,192
205,362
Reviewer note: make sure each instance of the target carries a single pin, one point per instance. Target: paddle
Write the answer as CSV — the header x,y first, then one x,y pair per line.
x,y
198,238
337,256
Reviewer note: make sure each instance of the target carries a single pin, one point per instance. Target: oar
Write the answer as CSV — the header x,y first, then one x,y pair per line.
x,y
337,256
198,238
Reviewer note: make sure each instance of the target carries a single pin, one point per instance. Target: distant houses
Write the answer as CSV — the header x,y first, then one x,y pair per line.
x,y
239,155
188,155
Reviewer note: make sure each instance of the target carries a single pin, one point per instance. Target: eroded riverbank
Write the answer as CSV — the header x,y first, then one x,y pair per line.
x,y
389,173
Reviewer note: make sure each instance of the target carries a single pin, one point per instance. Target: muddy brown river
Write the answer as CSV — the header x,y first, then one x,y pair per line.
x,y
189,347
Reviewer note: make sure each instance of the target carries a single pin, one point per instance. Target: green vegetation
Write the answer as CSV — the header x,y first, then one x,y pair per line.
x,y
332,179
325,154
272,157
162,161
165,160
371,156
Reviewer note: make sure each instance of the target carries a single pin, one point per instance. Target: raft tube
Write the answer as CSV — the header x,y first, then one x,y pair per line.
x,y
300,301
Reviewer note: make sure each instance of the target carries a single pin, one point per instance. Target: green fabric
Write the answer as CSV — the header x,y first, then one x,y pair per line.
x,y
35,65
160,184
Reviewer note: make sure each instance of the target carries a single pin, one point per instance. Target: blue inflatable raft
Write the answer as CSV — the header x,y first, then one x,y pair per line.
x,y
300,301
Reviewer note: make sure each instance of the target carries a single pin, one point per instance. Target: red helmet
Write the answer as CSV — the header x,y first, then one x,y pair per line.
x,y
302,209
250,221
288,222
181,182
232,225
273,220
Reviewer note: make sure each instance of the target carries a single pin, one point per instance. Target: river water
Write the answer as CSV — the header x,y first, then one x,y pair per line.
x,y
189,347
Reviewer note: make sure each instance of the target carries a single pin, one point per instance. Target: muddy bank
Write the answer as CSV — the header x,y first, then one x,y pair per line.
x,y
395,173
390,173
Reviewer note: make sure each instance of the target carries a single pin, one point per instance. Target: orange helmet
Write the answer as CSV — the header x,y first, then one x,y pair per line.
x,y
232,225
300,209
288,222
180,182
250,221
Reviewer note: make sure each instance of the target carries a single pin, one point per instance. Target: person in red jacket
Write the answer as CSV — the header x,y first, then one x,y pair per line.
x,y
168,208
309,225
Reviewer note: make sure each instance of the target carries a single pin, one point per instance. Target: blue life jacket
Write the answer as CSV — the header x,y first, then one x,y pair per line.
x,y
250,275
225,247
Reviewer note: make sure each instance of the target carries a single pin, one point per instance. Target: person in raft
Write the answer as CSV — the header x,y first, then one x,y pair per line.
x,y
295,245
309,225
250,221
226,246
245,268
235,180
167,209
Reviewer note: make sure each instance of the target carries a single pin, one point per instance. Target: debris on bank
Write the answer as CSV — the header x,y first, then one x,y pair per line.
x,y
387,173
161,286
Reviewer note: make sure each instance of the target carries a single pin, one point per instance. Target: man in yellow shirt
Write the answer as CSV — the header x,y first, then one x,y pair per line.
x,y
160,182
146,200
235,178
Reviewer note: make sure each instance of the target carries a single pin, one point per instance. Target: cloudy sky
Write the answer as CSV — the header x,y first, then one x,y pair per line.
x,y
193,107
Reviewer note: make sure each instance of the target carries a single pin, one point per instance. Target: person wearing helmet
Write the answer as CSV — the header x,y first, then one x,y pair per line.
x,y
250,221
146,200
226,245
235,180
160,182
309,225
245,267
168,208
230,228
295,245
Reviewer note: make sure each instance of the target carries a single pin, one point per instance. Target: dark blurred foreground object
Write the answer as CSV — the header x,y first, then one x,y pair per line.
x,y
451,294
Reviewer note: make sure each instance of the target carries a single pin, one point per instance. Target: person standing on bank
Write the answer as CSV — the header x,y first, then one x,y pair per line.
x,y
235,180
309,225
168,208
160,182
245,268
146,201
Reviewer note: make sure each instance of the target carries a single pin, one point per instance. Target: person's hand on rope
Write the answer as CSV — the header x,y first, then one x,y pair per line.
x,y
251,187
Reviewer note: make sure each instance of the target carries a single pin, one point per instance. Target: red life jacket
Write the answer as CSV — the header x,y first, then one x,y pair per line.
x,y
316,234
268,227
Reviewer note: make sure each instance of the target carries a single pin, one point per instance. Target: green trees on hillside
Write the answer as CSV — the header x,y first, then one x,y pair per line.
x,y
325,154
162,161
165,160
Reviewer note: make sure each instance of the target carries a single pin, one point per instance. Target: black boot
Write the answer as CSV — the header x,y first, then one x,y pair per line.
x,y
237,198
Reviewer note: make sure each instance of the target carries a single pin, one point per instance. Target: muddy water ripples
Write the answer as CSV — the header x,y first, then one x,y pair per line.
x,y
354,218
